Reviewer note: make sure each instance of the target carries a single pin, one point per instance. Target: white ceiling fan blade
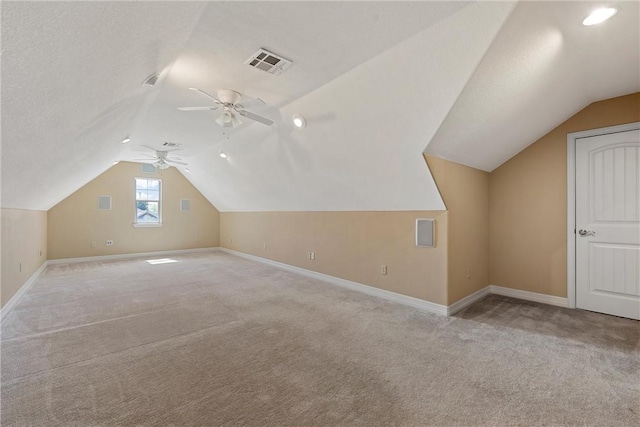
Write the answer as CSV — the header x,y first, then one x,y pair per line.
x,y
150,148
257,118
212,108
195,89
176,162
247,102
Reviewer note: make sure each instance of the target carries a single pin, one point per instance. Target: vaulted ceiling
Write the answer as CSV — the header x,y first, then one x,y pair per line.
x,y
378,82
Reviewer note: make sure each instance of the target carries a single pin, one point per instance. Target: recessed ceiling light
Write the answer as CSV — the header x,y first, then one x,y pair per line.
x,y
223,155
126,139
299,121
599,15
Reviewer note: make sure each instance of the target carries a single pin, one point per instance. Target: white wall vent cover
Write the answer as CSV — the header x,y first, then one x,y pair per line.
x,y
148,168
424,233
185,205
104,203
268,62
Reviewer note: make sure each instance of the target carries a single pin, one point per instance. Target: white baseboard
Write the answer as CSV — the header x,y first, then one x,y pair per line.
x,y
529,296
125,256
348,284
468,300
24,288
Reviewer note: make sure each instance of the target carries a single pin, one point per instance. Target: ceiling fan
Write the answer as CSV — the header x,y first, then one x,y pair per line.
x,y
231,105
161,160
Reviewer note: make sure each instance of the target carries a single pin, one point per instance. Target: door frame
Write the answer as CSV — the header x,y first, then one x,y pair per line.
x,y
572,139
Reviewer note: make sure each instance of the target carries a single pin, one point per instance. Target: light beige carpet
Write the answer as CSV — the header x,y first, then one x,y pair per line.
x,y
214,339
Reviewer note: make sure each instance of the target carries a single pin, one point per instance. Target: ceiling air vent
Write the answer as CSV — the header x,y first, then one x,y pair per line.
x,y
170,144
268,62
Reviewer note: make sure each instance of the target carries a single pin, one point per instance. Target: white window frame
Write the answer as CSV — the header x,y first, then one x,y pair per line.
x,y
135,204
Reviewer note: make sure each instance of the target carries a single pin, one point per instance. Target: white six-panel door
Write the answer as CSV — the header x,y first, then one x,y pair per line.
x,y
608,223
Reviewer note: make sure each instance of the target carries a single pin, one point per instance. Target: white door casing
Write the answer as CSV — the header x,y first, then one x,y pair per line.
x,y
606,230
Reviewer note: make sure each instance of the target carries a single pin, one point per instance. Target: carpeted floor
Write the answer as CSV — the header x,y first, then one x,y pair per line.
x,y
214,339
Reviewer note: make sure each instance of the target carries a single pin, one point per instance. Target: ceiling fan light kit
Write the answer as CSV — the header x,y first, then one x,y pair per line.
x,y
161,164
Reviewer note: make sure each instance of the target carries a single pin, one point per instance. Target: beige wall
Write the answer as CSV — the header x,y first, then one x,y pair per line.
x,y
23,243
76,222
465,192
349,245
528,203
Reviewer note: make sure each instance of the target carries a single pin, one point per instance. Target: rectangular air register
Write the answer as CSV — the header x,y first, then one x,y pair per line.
x,y
268,62
104,203
425,236
148,168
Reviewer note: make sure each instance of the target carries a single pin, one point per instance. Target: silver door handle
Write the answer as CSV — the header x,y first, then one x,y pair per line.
x,y
585,233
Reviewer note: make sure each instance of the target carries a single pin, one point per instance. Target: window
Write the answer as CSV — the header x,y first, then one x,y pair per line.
x,y
148,196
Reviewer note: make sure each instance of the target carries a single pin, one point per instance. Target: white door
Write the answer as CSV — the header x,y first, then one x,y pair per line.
x,y
608,224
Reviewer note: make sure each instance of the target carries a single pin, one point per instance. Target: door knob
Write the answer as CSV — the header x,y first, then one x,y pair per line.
x,y
585,233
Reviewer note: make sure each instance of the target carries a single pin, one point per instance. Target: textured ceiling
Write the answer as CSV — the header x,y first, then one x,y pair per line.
x,y
472,81
543,67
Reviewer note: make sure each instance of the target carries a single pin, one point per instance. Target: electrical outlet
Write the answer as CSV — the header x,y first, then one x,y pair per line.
x,y
264,246
93,244
313,255
468,273
383,269
109,243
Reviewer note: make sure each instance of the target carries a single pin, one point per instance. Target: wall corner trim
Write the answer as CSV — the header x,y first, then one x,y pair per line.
x,y
417,303
23,289
530,296
468,300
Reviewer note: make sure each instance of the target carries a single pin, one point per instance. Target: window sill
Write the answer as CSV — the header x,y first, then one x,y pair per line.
x,y
147,224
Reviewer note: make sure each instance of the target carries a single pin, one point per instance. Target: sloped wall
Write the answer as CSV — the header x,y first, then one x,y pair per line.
x,y
76,222
528,203
24,248
348,245
465,191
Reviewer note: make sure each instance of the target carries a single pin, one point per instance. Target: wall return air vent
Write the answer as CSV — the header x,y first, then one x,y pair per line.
x,y
268,62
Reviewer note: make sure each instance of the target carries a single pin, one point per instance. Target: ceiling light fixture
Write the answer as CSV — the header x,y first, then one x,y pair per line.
x,y
223,155
599,15
161,164
126,139
299,121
